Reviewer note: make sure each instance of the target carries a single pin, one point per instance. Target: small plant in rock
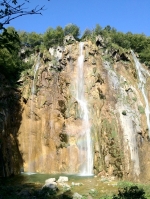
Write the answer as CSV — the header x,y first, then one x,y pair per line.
x,y
134,99
124,112
84,197
123,184
93,192
106,197
141,109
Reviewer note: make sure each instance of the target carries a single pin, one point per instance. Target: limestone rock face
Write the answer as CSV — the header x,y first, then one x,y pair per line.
x,y
69,39
51,123
100,41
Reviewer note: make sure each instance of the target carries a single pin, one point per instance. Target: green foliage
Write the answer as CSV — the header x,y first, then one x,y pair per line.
x,y
46,192
87,34
123,184
8,192
34,39
134,99
124,112
53,37
130,193
98,30
141,109
11,65
137,42
93,193
10,62
23,37
73,30
20,192
106,197
145,55
9,39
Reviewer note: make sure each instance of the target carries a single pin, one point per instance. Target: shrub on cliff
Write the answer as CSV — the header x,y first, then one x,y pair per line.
x,y
10,62
73,30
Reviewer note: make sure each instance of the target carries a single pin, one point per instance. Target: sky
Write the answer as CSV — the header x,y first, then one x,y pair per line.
x,y
124,15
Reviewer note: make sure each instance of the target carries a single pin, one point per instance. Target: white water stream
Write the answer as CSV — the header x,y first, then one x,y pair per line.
x,y
35,70
142,74
85,145
127,122
30,150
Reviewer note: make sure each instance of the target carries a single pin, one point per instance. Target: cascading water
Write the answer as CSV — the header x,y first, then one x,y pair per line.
x,y
33,89
85,143
142,74
35,70
127,122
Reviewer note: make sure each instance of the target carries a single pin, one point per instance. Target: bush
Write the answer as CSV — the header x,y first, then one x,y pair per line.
x,y
132,192
124,112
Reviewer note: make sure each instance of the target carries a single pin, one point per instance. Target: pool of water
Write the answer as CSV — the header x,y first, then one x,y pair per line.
x,y
99,186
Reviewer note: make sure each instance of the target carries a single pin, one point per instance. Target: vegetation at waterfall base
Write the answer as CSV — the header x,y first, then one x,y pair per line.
x,y
17,188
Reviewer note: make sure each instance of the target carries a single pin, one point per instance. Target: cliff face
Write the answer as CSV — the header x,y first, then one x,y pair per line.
x,y
52,130
10,118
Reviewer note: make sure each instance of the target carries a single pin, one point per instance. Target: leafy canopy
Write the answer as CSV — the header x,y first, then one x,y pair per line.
x,y
73,30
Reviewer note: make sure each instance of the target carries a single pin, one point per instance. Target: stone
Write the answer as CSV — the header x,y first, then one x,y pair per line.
x,y
77,196
50,180
76,184
65,185
52,185
63,179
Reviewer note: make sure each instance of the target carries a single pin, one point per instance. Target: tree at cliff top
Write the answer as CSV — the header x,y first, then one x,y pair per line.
x,y
140,43
10,62
12,9
87,34
53,37
73,30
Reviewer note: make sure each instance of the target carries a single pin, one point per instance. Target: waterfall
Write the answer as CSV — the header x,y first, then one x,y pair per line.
x,y
85,143
142,74
127,122
33,91
35,70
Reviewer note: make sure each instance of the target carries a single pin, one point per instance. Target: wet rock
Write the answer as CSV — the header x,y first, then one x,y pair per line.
x,y
76,184
67,195
51,185
63,179
65,186
50,180
77,196
52,118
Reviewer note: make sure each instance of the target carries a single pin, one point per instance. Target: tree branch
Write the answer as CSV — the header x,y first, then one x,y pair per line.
x,y
10,12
